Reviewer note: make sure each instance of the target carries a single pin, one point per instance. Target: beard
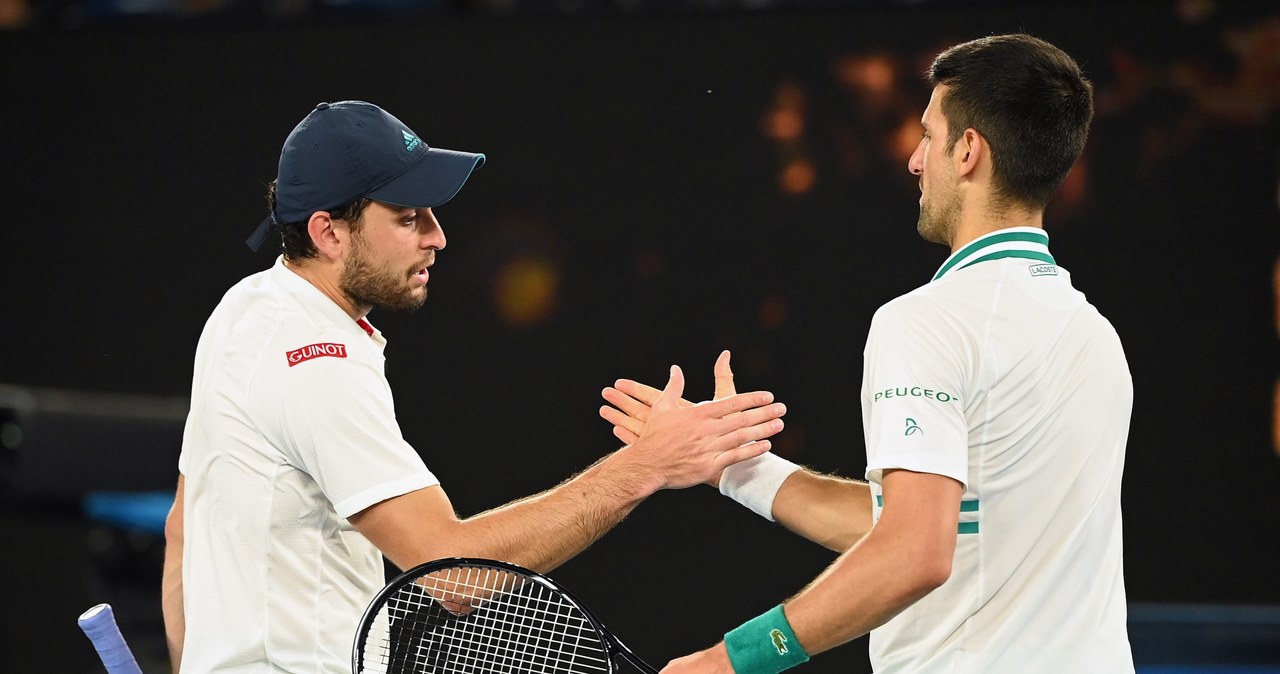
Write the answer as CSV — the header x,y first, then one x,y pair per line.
x,y
939,217
367,284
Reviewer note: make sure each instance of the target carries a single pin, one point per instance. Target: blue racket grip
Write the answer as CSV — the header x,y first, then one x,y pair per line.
x,y
99,624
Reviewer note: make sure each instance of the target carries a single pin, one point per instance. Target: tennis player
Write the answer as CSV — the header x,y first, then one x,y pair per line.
x,y
995,406
294,477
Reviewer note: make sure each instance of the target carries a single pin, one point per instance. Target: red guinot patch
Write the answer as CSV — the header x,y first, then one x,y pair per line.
x,y
321,350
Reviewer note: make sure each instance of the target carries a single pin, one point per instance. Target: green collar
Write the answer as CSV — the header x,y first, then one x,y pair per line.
x,y
1031,243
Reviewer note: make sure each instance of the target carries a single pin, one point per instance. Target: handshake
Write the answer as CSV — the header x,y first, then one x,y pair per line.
x,y
674,443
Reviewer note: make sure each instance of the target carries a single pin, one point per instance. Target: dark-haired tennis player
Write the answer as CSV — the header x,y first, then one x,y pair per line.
x,y
995,405
295,479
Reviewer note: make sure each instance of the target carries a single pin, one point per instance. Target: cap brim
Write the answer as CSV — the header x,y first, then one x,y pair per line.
x,y
430,182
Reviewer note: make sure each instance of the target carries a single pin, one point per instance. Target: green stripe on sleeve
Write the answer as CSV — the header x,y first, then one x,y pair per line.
x,y
965,506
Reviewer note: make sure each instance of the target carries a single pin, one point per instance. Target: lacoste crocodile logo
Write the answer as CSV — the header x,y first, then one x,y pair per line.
x,y
779,641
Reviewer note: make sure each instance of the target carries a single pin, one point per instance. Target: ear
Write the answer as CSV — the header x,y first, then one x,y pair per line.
x,y
324,236
970,148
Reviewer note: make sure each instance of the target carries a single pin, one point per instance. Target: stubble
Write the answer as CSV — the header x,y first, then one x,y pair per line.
x,y
368,284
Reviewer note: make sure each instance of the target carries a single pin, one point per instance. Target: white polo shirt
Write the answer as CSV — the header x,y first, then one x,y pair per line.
x,y
1000,375
292,429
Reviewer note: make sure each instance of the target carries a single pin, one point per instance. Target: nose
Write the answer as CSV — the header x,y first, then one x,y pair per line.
x,y
915,165
432,234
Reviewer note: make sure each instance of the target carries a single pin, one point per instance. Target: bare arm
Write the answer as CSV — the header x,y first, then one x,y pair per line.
x,y
831,511
682,445
905,557
539,532
175,624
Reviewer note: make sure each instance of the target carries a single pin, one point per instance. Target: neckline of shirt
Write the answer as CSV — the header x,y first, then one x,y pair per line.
x,y
319,299
1031,243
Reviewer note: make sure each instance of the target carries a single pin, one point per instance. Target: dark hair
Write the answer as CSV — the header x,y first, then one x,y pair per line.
x,y
295,240
1028,99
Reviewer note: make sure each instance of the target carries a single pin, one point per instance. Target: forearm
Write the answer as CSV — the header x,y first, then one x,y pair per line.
x,y
830,511
171,581
543,531
866,587
171,600
907,555
833,512
539,532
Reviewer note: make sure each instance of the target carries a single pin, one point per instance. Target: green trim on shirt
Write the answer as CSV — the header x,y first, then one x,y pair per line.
x,y
1028,254
964,257
971,506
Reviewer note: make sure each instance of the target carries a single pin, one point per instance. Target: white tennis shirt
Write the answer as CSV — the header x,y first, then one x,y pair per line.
x,y
292,429
1000,375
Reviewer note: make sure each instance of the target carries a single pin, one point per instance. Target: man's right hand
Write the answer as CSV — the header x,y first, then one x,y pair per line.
x,y
638,408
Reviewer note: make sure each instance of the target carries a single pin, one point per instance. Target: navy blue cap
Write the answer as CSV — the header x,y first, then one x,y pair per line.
x,y
350,149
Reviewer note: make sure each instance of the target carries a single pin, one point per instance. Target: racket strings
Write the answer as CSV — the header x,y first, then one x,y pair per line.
x,y
481,621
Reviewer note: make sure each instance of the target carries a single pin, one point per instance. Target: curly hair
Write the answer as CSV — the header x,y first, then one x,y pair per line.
x,y
295,240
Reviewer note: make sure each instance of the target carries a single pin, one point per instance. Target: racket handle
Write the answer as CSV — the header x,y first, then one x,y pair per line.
x,y
99,624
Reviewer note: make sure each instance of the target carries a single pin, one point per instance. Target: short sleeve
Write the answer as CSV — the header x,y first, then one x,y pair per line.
x,y
337,423
913,388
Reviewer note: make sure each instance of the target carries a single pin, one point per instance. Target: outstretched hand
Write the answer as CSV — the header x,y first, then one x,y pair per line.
x,y
634,404
633,400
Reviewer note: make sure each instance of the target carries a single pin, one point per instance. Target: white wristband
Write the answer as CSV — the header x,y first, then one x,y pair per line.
x,y
755,482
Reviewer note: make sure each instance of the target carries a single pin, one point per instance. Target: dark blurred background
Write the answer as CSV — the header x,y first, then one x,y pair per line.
x,y
666,179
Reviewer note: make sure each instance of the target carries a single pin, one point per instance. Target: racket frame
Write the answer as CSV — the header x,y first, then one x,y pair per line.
x,y
614,646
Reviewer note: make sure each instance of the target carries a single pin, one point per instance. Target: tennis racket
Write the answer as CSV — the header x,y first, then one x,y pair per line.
x,y
99,624
478,616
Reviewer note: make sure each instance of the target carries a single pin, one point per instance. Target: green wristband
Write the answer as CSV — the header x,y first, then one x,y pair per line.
x,y
764,645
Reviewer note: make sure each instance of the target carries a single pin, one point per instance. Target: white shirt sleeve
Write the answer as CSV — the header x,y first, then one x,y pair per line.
x,y
336,422
913,389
